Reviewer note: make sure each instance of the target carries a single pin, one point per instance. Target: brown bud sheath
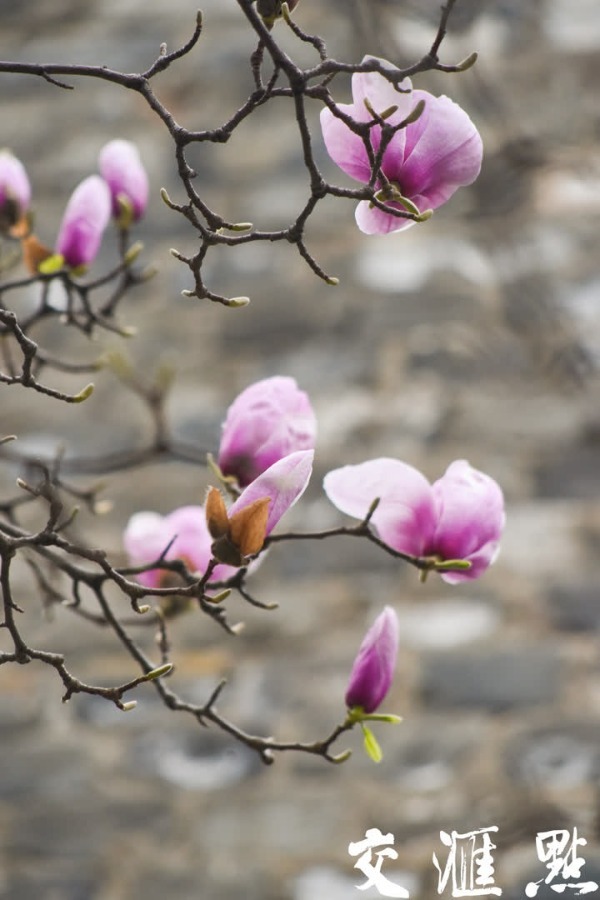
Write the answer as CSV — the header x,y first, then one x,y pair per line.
x,y
21,227
216,513
34,253
225,552
248,527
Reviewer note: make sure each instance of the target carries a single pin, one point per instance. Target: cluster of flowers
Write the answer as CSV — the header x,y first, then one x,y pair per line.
x,y
266,451
120,191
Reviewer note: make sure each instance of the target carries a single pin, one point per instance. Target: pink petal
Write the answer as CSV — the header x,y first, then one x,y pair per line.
x,y
380,93
148,534
405,516
346,149
446,152
122,169
284,482
372,220
14,183
470,511
85,218
373,669
269,420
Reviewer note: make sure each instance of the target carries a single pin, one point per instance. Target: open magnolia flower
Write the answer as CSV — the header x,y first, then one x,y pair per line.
x,y
240,532
122,169
425,162
183,531
269,420
459,517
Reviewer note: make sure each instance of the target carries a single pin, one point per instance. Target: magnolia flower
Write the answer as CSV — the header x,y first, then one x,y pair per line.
x,y
183,531
241,531
122,169
15,190
373,669
84,220
425,162
269,420
461,516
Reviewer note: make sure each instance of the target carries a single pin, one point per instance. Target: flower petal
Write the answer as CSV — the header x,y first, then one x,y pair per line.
x,y
470,512
346,148
372,220
15,189
444,151
373,669
148,534
380,93
121,167
405,516
269,420
86,216
284,482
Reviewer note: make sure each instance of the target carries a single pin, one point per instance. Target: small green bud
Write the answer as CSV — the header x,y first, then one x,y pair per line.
x,y
133,253
218,598
166,199
237,302
424,216
468,62
159,672
342,757
388,112
415,114
83,394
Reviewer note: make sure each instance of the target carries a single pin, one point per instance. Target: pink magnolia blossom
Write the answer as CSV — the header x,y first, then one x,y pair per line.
x,y
373,669
122,169
84,220
15,189
148,534
427,161
460,516
284,483
269,420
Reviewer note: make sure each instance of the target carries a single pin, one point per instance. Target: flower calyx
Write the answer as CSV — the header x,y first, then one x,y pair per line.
x,y
239,537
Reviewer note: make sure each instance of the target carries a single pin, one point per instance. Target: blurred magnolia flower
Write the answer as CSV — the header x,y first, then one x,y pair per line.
x,y
267,421
86,216
240,532
373,669
425,162
459,517
15,191
183,531
122,169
